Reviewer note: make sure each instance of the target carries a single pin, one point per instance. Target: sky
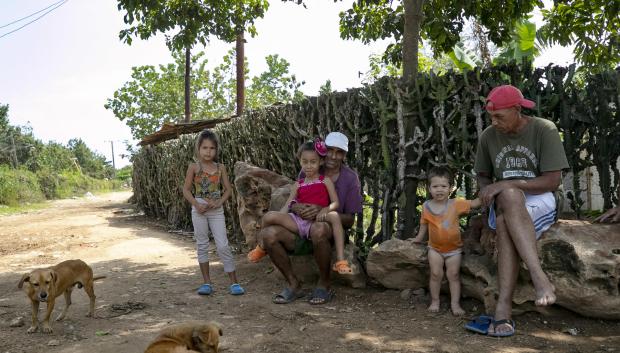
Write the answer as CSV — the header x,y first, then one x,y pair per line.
x,y
57,73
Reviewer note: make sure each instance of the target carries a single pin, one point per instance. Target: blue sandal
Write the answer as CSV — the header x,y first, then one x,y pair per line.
x,y
480,324
236,289
205,289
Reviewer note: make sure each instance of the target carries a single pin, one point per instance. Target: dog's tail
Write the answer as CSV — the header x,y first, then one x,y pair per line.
x,y
99,277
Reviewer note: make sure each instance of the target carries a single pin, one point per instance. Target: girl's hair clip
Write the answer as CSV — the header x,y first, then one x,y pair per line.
x,y
320,147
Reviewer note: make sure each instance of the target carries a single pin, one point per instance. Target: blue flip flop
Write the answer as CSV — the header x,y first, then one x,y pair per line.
x,y
205,289
236,289
509,322
480,324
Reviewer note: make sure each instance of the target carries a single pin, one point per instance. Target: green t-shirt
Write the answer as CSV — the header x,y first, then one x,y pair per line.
x,y
534,150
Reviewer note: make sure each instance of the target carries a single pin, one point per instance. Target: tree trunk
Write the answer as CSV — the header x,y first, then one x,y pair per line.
x,y
482,43
188,68
411,37
411,40
240,74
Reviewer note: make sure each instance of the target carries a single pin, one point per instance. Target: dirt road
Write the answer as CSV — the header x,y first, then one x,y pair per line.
x,y
152,276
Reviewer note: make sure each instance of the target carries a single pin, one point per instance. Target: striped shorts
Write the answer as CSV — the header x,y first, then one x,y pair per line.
x,y
541,208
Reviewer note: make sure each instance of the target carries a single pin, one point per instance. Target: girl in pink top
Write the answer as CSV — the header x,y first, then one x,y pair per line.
x,y
314,189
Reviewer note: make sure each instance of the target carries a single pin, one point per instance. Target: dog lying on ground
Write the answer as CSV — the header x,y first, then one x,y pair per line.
x,y
45,284
191,336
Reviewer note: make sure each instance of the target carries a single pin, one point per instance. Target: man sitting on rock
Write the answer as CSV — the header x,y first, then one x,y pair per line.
x,y
519,163
279,242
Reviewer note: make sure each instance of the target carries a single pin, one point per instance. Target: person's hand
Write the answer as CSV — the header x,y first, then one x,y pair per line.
x,y
418,240
201,207
611,216
212,205
488,193
306,211
322,215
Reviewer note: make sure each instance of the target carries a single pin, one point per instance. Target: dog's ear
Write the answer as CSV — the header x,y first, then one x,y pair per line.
x,y
196,339
219,330
54,276
25,278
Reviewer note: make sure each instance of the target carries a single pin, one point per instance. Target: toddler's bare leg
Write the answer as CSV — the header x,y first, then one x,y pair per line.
x,y
453,269
435,260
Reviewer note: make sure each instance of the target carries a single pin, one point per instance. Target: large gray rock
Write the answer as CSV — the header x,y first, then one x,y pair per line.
x,y
581,259
255,187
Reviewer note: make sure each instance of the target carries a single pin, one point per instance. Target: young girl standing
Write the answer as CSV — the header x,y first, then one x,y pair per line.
x,y
208,178
440,217
313,189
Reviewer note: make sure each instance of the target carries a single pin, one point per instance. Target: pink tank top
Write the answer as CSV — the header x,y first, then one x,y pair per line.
x,y
314,192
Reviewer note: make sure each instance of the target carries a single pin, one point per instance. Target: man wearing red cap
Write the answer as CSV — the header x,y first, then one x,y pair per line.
x,y
519,163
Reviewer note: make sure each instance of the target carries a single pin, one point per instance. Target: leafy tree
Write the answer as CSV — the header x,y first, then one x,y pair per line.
x,y
193,21
274,85
438,21
153,95
592,25
91,163
522,45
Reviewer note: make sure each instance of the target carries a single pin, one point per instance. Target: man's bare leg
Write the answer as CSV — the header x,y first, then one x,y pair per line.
x,y
507,273
278,241
520,227
321,235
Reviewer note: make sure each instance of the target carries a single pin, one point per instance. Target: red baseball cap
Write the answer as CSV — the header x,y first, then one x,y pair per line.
x,y
506,96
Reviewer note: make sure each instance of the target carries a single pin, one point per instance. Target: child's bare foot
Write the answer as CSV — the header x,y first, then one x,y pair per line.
x,y
434,307
457,310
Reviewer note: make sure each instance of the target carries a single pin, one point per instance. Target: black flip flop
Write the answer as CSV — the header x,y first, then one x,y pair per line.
x,y
323,295
287,296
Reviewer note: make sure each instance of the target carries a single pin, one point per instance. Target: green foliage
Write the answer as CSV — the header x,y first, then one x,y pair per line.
x,y
274,85
31,170
443,21
18,186
91,163
522,45
194,21
592,25
124,174
462,58
155,96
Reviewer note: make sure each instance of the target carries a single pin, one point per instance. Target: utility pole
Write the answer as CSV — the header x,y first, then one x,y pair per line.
x,y
113,164
13,152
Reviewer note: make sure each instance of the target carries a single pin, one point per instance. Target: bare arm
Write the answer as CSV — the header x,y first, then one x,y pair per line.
x,y
475,203
548,181
187,188
227,189
333,195
290,199
421,233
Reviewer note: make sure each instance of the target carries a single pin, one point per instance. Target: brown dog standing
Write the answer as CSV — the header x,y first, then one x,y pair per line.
x,y
191,336
45,284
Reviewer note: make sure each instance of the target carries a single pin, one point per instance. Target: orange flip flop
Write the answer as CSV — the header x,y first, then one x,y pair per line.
x,y
342,267
256,254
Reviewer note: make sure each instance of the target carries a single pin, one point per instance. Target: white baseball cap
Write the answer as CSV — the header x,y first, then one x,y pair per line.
x,y
338,140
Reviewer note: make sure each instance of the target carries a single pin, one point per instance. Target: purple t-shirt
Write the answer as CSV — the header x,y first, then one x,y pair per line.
x,y
348,189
